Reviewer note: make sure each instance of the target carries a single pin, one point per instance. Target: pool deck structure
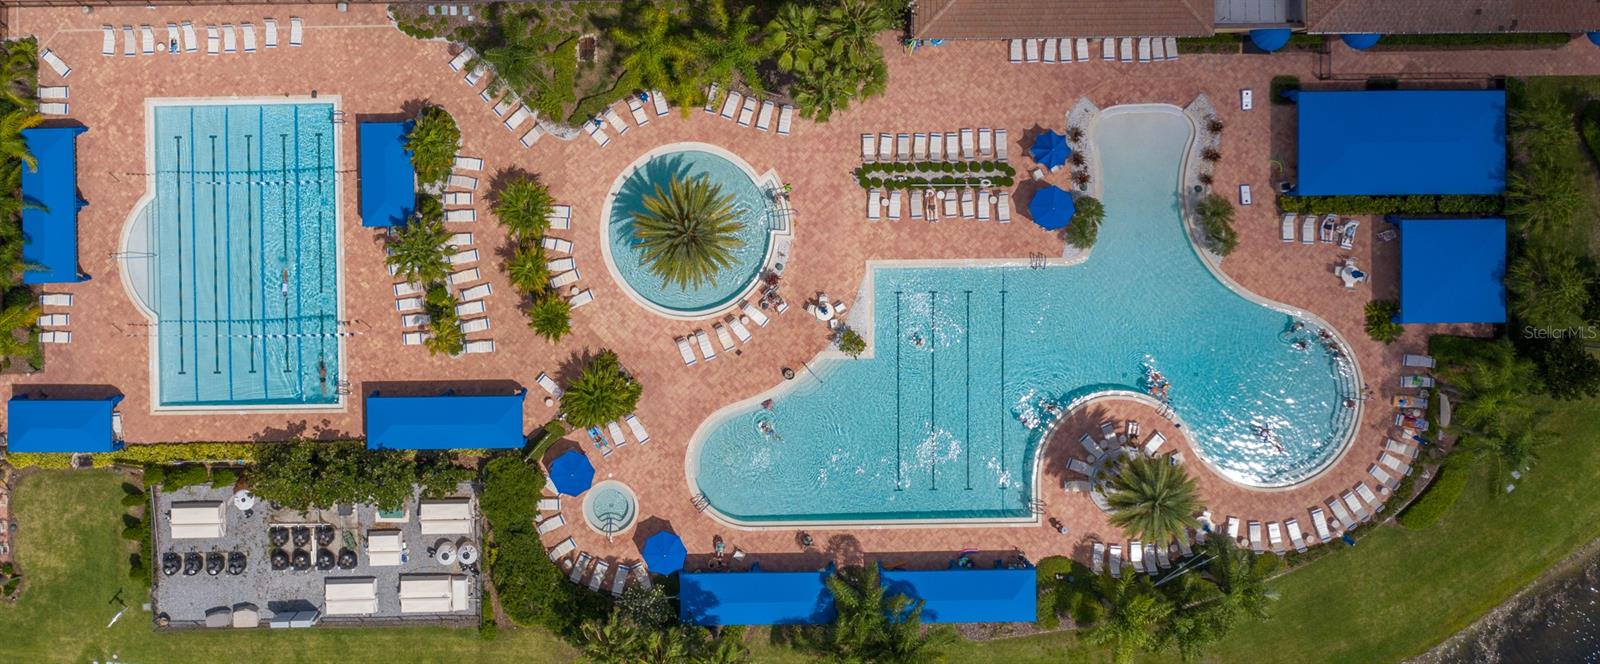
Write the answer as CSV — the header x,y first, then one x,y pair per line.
x,y
380,73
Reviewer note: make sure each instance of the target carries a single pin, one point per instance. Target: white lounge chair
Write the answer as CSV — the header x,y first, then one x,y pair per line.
x,y
296,31
968,146
129,47
969,208
415,320
1319,522
685,350
755,314
936,146
1116,561
470,309
620,582
597,133
230,39
191,42
723,336
1144,50
1233,527
1083,50
1172,47
518,118
559,265
475,325
467,163
616,121
601,567
549,504
869,147
407,289
731,105
1097,560
1256,543
952,146
583,297
270,32
54,108
1342,515
1125,49
147,40
462,182
739,329
477,292
465,277
985,204
564,279
894,204
413,338
458,199
1308,229
213,41
985,142
55,337
550,524
636,108
1365,492
52,92
557,245
108,40
1077,465
1108,49
1155,442
1000,139
902,147
533,136
874,204
1048,53
475,346
1288,227
456,63
249,32
703,341
55,320
1355,506
408,304
659,100
561,550
1030,48
919,147
466,215
56,63
1422,361
1016,58
916,203
1158,50
785,119
1275,537
460,258
1386,482
475,76
549,385
55,299
711,98
747,112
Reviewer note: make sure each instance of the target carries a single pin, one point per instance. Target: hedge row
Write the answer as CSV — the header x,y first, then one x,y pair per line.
x,y
1513,40
1428,204
1436,499
138,455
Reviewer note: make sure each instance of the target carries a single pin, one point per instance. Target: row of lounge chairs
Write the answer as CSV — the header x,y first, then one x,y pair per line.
x,y
612,437
1065,50
964,145
596,127
746,111
1329,231
506,105
600,569
1145,557
52,319
935,204
183,38
53,100
472,310
739,323
1345,512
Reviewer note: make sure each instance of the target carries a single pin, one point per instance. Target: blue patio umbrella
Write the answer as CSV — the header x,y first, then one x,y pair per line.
x,y
1361,41
1270,39
572,473
1050,149
1052,208
664,553
1594,37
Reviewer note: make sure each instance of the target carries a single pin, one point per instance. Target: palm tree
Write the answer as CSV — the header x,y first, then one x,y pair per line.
x,y
872,626
523,207
1153,500
732,45
550,317
615,640
1494,383
419,251
1544,123
519,58
16,329
12,144
1544,197
654,52
1134,613
601,393
1241,577
851,28
792,37
444,327
1085,225
1550,288
527,269
824,90
433,141
1512,450
688,232
20,71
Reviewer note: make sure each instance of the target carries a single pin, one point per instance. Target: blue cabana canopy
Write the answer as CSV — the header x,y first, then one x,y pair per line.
x,y
1050,149
1361,41
1452,270
801,598
388,183
1270,39
1052,208
60,425
444,422
571,473
50,233
664,553
1374,143
754,598
1594,37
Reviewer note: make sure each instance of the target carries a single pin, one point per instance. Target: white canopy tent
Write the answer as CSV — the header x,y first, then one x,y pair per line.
x,y
350,596
384,548
196,519
451,516
433,593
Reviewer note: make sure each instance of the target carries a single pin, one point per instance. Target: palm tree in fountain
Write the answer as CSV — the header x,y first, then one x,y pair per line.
x,y
1153,500
687,232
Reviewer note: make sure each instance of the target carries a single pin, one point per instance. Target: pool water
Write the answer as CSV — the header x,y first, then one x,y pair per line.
x,y
609,507
931,426
752,205
239,254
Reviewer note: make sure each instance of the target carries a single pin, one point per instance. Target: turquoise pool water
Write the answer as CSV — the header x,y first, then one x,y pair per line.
x,y
752,204
240,254
935,431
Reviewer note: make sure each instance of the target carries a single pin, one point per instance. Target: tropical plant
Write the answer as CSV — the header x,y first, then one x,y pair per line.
x,y
550,317
1544,197
791,36
851,343
1152,499
655,53
307,475
1380,321
520,56
12,145
846,62
1511,450
444,326
1241,577
850,31
1550,290
825,89
873,626
17,337
1216,219
419,251
1084,227
19,71
1134,613
687,233
730,45
1543,124
528,270
602,392
1494,383
433,141
523,206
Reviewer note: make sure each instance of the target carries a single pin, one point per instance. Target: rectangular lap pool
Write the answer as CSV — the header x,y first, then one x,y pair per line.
x,y
235,254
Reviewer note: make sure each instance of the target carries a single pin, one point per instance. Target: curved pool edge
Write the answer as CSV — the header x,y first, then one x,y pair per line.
x,y
774,237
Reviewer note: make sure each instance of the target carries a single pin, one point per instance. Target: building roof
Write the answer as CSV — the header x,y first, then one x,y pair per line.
x,y
444,422
1009,19
50,230
969,595
60,425
1373,143
1451,16
1452,270
801,598
388,183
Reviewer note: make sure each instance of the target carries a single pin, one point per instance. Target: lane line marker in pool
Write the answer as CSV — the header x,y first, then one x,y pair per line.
x,y
898,484
216,312
177,155
933,388
967,440
283,257
1002,394
249,223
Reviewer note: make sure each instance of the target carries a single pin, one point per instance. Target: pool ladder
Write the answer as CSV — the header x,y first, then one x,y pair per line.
x,y
700,502
1036,506
1038,261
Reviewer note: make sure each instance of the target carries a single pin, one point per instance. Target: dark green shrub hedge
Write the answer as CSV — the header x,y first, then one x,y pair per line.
x,y
531,588
187,475
1420,205
1280,85
1498,40
1436,499
1221,43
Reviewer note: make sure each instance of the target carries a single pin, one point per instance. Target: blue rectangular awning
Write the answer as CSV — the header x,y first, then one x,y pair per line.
x,y
1452,270
801,598
50,232
60,425
1375,143
754,598
388,183
445,422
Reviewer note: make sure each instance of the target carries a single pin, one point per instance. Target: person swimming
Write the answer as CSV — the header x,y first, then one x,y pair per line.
x,y
283,285
1265,433
322,373
916,339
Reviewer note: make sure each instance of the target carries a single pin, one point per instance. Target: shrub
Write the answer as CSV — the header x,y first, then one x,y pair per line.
x,y
851,343
1378,205
306,475
433,141
1380,321
1498,40
185,475
1589,129
523,208
1084,228
1215,215
1211,155
1383,83
224,477
1221,43
133,500
601,393
1282,84
1436,499
550,317
1214,124
487,629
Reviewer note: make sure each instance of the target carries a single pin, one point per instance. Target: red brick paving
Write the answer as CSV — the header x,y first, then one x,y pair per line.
x,y
375,70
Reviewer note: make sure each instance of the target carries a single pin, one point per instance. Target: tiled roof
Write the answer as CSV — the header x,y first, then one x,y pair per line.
x,y
1008,19
1451,16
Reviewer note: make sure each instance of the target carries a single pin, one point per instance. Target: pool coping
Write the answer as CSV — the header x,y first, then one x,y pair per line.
x,y
583,506
341,402
864,312
771,259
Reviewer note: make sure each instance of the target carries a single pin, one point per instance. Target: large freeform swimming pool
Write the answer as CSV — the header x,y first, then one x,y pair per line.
x,y
934,430
235,254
